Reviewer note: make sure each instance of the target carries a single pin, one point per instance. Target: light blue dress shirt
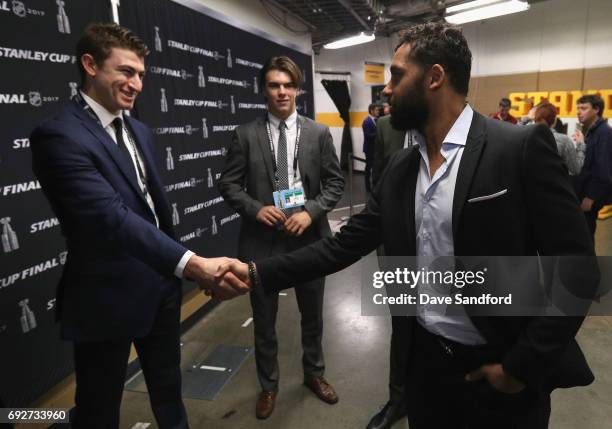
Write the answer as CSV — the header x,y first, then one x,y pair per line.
x,y
434,229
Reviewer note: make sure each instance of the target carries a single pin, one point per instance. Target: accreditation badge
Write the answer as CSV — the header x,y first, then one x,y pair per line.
x,y
289,198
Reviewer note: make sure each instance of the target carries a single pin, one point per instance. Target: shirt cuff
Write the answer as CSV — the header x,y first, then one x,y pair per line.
x,y
180,267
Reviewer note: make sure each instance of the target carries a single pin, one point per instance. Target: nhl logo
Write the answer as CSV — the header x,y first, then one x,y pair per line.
x,y
35,98
188,130
19,8
184,74
63,257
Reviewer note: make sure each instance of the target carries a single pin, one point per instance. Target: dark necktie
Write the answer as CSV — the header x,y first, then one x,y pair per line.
x,y
118,126
281,157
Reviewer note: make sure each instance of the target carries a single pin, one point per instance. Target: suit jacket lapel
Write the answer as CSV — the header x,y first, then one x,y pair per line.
x,y
303,152
125,166
154,184
414,161
467,168
264,146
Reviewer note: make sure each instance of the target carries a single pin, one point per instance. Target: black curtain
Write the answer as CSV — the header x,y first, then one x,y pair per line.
x,y
338,91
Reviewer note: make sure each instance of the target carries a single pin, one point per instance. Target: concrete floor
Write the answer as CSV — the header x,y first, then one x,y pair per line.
x,y
356,352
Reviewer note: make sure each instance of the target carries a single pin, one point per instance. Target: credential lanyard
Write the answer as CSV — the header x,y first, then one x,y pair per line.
x,y
295,151
139,169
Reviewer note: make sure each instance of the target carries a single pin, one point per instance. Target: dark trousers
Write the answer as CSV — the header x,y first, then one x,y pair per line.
x,y
398,355
591,217
265,307
100,369
438,397
369,156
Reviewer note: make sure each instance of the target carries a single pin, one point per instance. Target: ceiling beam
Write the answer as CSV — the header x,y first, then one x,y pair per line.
x,y
279,6
347,5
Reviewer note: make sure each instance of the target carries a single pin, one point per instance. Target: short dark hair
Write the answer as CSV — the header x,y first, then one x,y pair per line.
x,y
99,38
594,100
284,64
372,106
444,44
546,111
505,102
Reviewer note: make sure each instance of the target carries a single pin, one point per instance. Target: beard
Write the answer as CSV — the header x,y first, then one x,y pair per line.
x,y
410,110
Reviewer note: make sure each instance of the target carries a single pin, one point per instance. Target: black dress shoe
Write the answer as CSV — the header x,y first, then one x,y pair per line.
x,y
386,417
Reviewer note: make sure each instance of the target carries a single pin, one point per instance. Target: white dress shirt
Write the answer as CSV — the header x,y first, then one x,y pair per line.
x,y
291,132
106,119
434,227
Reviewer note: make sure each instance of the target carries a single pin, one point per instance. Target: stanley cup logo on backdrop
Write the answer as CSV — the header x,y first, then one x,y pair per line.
x,y
73,89
214,228
175,215
229,58
255,85
210,178
201,78
163,101
232,105
169,159
19,8
158,43
9,237
204,128
63,24
35,98
28,320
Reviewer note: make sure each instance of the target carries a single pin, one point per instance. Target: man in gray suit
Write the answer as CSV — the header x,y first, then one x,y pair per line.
x,y
283,157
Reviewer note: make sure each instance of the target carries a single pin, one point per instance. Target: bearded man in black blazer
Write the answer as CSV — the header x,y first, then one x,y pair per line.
x,y
468,186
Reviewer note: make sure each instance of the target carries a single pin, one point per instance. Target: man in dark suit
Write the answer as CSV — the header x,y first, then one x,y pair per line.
x,y
282,152
121,282
469,186
368,127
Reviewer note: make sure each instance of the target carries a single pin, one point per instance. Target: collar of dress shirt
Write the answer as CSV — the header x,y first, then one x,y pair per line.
x,y
458,133
290,121
106,117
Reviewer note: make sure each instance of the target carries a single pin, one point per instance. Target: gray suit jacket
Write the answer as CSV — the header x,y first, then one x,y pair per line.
x,y
388,141
247,184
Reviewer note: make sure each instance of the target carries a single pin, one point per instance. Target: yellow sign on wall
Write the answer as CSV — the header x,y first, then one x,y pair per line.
x,y
374,73
565,101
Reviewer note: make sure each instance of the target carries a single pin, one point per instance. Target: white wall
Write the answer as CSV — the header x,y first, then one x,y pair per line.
x,y
552,35
253,14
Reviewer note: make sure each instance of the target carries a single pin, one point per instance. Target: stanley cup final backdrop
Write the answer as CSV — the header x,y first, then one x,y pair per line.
x,y
200,84
39,74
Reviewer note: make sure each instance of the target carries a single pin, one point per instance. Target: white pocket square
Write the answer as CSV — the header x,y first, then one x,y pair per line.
x,y
488,197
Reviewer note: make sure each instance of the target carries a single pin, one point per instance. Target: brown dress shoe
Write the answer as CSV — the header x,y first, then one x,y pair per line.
x,y
322,389
265,404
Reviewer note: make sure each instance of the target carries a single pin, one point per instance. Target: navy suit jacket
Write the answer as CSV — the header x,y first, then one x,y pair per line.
x,y
119,261
369,134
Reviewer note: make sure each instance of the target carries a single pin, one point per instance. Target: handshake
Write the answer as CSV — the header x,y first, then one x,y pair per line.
x,y
222,278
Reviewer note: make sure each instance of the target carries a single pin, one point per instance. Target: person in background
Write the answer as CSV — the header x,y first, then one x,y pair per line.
x,y
283,151
369,140
595,181
503,114
546,113
386,109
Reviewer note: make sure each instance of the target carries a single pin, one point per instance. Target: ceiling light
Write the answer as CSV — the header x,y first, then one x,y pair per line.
x,y
483,9
350,41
